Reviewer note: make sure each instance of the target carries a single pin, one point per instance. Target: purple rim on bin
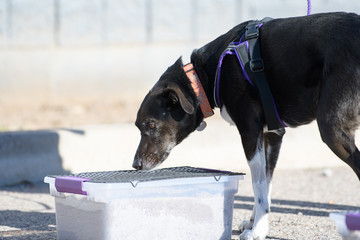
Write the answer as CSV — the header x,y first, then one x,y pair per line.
x,y
70,184
352,221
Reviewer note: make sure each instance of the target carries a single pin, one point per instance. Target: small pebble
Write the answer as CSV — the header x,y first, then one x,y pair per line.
x,y
327,172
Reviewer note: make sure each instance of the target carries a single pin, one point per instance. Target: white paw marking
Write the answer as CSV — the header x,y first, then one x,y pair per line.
x,y
249,235
246,225
260,226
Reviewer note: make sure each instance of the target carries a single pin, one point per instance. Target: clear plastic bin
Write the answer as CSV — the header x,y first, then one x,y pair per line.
x,y
174,203
347,224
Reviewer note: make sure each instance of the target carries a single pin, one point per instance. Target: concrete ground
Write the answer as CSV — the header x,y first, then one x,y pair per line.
x,y
309,183
302,201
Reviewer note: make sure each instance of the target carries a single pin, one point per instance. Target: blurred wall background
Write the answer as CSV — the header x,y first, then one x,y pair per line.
x,y
71,63
101,48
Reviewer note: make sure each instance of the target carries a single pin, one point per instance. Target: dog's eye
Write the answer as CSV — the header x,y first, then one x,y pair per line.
x,y
152,125
173,99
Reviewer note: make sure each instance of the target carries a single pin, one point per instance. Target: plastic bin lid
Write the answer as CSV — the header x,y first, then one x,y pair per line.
x,y
125,176
73,183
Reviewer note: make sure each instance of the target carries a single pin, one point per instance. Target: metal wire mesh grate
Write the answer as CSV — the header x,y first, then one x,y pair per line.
x,y
158,174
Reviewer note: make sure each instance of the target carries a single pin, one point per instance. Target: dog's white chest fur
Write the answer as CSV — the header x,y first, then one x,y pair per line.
x,y
225,115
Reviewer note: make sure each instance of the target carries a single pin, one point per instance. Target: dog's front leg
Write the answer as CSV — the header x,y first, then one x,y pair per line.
x,y
257,227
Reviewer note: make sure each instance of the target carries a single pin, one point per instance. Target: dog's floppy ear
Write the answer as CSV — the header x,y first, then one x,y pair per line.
x,y
184,102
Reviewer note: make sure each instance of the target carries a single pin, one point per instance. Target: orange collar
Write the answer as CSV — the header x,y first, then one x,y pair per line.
x,y
199,90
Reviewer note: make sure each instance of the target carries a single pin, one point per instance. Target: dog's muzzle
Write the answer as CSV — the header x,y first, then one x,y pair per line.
x,y
137,163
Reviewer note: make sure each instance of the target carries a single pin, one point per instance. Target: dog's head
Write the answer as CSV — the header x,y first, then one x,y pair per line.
x,y
167,115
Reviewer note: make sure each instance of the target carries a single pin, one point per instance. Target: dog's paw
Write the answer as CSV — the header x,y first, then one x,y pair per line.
x,y
250,235
257,232
246,225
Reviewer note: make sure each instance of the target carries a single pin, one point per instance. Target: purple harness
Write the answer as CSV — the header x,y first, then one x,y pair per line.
x,y
247,51
230,50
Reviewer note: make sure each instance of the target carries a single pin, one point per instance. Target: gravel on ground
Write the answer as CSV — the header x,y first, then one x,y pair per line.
x,y
301,203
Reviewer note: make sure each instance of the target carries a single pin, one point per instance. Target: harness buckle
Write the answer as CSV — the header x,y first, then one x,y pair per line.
x,y
252,31
257,65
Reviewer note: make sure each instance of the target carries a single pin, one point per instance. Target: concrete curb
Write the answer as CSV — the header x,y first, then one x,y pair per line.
x,y
31,155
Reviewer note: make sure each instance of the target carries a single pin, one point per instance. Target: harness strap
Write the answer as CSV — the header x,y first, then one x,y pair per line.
x,y
256,65
248,53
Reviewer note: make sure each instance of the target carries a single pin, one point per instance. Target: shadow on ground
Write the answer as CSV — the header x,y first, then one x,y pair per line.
x,y
27,225
294,207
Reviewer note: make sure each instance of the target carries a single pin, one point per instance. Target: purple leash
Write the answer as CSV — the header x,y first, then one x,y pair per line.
x,y
309,7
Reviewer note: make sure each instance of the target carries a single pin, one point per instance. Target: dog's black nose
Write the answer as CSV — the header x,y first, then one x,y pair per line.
x,y
137,164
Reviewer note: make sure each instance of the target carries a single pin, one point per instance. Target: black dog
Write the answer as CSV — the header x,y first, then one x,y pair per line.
x,y
312,65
